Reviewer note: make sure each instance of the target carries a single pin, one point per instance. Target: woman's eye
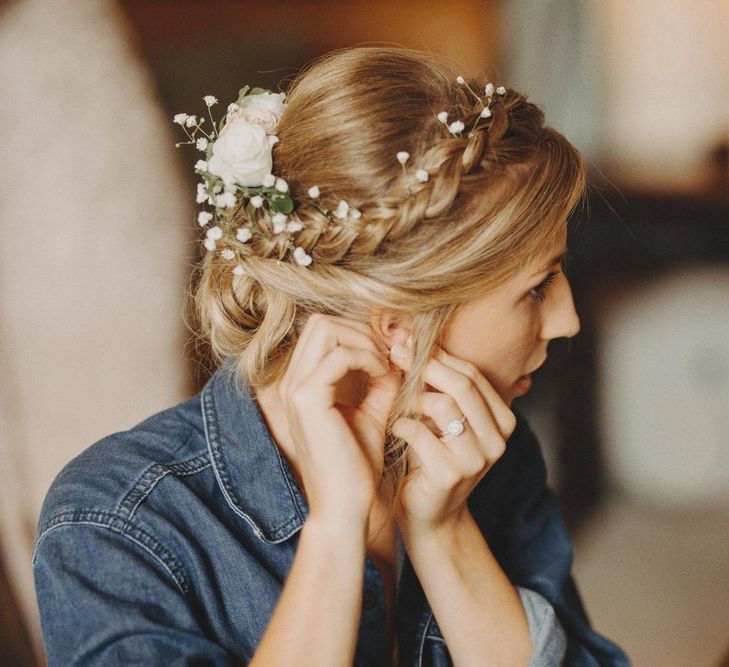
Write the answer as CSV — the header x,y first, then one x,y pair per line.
x,y
539,292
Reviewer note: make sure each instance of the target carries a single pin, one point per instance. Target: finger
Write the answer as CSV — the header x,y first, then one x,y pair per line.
x,y
505,418
381,394
313,328
320,385
432,457
323,335
466,383
476,447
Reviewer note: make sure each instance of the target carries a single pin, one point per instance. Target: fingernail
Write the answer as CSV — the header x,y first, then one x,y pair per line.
x,y
398,351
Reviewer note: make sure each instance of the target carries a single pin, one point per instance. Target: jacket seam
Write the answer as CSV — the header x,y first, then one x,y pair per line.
x,y
209,427
148,479
423,628
117,524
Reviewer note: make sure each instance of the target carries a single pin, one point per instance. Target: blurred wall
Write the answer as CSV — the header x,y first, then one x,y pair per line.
x,y
93,254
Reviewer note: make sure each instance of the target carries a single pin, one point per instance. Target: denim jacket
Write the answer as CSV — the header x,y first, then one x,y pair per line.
x,y
170,543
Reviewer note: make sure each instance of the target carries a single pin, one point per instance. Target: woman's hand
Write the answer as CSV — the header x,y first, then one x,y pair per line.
x,y
444,470
340,449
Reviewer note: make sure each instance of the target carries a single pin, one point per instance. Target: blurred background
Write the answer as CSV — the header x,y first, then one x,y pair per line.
x,y
98,242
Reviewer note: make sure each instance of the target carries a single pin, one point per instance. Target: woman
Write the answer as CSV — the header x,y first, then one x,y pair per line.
x,y
383,273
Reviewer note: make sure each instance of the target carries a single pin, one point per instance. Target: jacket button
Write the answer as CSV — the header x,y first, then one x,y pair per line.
x,y
369,599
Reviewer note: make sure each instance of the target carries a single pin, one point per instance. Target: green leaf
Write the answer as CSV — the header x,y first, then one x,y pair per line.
x,y
281,203
242,93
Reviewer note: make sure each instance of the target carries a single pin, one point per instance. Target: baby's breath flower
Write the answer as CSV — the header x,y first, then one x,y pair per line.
x,y
460,80
489,89
225,200
238,270
243,234
301,257
486,112
210,100
356,213
214,233
342,209
422,175
203,218
501,90
294,226
456,126
269,181
209,243
314,191
202,193
279,223
443,117
201,165
201,144
256,201
402,157
190,121
180,118
281,185
233,107
227,253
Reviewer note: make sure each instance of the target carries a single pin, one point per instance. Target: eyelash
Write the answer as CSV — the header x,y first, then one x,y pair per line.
x,y
538,292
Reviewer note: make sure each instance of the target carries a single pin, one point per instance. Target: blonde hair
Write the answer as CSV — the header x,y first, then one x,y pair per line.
x,y
495,200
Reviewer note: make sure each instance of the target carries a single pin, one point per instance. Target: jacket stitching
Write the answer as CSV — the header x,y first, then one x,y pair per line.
x,y
223,481
149,478
116,524
423,631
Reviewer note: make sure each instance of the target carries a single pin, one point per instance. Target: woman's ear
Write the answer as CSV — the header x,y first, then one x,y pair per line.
x,y
391,327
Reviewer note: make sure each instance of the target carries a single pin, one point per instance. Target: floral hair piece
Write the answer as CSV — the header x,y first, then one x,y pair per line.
x,y
456,127
237,169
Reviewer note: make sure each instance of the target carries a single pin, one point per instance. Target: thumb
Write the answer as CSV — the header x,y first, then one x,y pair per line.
x,y
381,393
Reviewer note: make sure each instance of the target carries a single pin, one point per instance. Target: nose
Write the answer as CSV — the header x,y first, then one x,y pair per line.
x,y
560,319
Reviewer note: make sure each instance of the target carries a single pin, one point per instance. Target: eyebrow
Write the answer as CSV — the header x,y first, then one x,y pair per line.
x,y
559,258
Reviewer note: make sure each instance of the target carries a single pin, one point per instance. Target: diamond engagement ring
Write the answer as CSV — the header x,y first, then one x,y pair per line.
x,y
455,427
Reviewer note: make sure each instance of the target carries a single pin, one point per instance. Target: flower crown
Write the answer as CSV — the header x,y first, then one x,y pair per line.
x,y
237,170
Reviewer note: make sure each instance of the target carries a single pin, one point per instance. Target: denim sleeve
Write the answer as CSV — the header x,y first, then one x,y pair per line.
x,y
534,547
106,598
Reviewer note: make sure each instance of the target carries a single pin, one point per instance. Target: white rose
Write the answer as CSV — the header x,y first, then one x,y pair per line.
x,y
264,110
273,102
241,154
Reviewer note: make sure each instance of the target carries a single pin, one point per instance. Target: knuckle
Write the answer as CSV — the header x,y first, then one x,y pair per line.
x,y
475,465
443,403
316,321
298,396
463,384
470,370
497,449
338,354
448,477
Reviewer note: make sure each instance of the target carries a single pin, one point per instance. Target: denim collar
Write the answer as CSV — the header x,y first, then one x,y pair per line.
x,y
254,477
